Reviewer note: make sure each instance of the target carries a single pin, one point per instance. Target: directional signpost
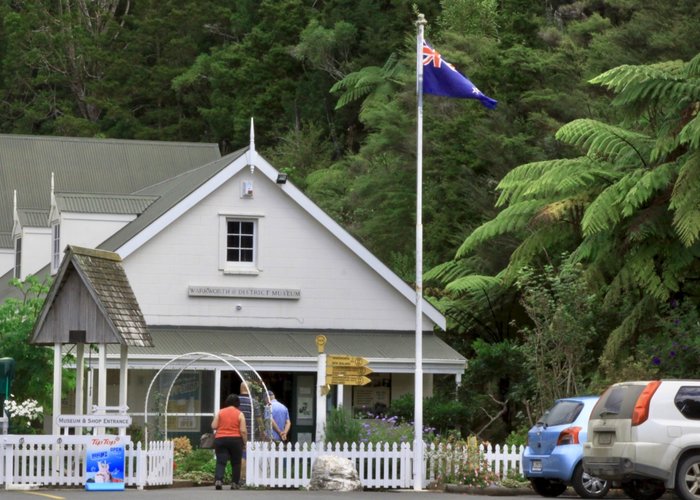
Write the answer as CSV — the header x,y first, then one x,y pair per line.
x,y
346,370
335,369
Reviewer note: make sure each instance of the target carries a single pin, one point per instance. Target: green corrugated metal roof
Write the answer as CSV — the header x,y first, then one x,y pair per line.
x,y
103,203
171,192
33,218
6,240
87,165
173,341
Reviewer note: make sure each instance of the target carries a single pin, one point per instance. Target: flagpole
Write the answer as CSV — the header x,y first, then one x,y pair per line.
x,y
418,474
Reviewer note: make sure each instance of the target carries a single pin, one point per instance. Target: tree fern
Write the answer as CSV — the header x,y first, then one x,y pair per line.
x,y
625,333
606,210
513,218
607,142
622,78
690,135
473,285
685,202
628,209
647,186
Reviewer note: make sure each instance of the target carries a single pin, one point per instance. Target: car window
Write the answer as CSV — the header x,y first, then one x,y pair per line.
x,y
563,412
688,402
618,401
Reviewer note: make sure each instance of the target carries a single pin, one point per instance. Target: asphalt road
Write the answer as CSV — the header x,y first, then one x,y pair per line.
x,y
272,494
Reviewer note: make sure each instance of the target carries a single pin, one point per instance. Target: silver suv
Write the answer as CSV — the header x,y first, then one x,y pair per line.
x,y
645,436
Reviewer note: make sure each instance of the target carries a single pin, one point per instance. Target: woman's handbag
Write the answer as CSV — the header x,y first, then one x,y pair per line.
x,y
206,442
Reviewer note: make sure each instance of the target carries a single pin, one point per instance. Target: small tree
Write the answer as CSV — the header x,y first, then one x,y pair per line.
x,y
565,315
34,364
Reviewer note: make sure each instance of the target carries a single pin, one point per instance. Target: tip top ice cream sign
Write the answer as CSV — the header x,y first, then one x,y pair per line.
x,y
104,464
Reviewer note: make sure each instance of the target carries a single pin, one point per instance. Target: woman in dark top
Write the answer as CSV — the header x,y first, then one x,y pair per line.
x,y
231,436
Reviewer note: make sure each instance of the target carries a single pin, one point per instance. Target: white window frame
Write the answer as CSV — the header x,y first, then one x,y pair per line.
x,y
55,246
249,268
18,258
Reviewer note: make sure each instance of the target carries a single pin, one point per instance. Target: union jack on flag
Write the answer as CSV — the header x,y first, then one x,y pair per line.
x,y
441,78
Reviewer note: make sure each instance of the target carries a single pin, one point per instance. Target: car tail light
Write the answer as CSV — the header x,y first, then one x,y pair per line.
x,y
641,407
568,436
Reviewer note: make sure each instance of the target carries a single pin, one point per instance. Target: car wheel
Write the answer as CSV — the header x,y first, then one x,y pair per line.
x,y
588,486
688,478
546,487
644,489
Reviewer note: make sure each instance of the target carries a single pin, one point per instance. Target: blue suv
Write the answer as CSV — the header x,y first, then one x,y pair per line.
x,y
553,457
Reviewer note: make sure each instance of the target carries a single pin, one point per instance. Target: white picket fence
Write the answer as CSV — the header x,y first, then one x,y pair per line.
x,y
378,466
60,461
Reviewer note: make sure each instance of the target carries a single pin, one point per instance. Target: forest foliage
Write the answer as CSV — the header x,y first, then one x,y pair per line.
x,y
585,178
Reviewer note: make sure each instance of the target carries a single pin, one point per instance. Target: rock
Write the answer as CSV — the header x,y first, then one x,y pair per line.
x,y
334,473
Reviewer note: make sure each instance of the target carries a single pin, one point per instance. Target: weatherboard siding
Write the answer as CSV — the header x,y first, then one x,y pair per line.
x,y
89,230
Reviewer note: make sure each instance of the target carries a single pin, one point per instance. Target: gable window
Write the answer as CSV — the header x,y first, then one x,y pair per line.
x,y
18,258
55,246
239,251
240,241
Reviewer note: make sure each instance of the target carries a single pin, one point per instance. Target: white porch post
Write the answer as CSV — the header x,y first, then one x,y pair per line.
x,y
123,381
79,378
102,382
217,390
57,369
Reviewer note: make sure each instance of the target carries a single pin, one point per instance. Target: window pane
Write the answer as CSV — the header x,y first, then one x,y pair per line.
x,y
240,240
688,402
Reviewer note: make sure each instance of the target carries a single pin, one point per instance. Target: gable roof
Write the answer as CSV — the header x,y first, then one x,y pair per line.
x,y
188,189
33,218
108,313
87,165
103,203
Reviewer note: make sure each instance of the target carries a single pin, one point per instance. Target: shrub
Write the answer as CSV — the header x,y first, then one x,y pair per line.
x,y
181,446
342,428
461,462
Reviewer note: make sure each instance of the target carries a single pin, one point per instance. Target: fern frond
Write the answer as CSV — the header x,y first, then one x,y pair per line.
x,y
620,78
685,201
511,219
647,186
605,211
449,271
357,85
473,285
515,182
542,241
663,146
643,267
550,178
567,177
591,247
607,142
625,332
690,134
670,90
692,69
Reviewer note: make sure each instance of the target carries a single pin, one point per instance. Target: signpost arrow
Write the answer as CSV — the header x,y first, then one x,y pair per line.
x,y
339,379
345,360
348,370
